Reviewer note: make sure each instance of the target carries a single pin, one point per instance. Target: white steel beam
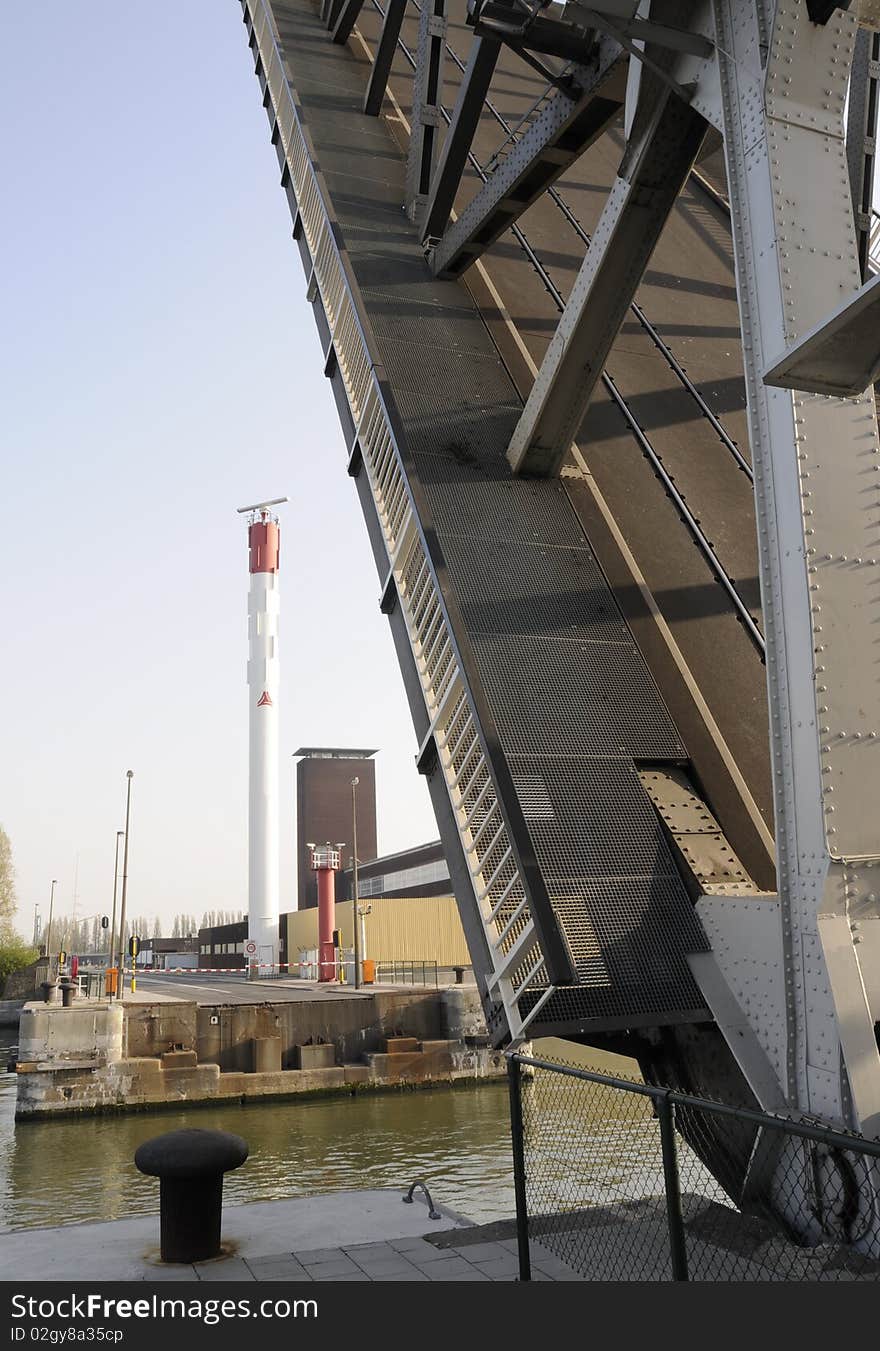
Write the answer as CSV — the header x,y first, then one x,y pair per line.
x,y
817,488
658,159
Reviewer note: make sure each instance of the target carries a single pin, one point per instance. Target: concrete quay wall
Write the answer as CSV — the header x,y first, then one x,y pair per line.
x,y
223,1034
110,1058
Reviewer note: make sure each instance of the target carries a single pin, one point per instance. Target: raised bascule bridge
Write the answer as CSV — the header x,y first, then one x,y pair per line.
x,y
593,286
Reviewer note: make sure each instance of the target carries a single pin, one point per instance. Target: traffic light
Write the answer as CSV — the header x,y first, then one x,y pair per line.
x,y
336,943
133,944
105,923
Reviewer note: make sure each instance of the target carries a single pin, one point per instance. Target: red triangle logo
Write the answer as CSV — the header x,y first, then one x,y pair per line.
x,y
264,699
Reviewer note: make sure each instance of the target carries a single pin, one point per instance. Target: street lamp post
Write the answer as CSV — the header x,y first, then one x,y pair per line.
x,y
119,835
121,968
49,927
354,884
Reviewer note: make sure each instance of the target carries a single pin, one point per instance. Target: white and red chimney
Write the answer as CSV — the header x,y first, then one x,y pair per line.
x,y
263,691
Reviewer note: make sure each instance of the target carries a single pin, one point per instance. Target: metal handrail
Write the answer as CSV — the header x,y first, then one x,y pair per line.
x,y
822,1134
433,1214
398,969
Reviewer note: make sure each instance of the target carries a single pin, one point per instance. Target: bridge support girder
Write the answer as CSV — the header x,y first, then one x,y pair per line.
x,y
658,159
816,461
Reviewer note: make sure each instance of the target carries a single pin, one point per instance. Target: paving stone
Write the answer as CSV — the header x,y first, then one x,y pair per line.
x,y
386,1270
500,1267
185,1273
480,1252
311,1255
352,1276
233,1269
341,1266
280,1268
356,1250
453,1269
411,1274
559,1272
418,1250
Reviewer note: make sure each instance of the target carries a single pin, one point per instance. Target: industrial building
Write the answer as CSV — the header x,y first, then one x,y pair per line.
x,y
421,871
410,931
222,947
324,812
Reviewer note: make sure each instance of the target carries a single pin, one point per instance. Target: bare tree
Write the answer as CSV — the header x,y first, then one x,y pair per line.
x,y
7,880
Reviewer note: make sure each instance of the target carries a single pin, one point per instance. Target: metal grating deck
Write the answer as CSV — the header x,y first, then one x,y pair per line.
x,y
564,700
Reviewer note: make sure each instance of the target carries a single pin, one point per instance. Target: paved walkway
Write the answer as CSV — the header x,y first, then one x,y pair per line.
x,y
364,1235
402,1259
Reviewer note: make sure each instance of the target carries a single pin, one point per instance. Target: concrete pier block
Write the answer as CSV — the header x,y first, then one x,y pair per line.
x,y
175,1060
318,1057
401,1045
463,1014
410,1065
191,1082
90,1031
267,1054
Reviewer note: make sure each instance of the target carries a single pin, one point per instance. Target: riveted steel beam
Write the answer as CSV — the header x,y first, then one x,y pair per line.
x,y
426,112
817,498
378,81
658,160
459,137
560,130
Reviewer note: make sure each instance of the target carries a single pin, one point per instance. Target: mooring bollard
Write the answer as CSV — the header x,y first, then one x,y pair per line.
x,y
68,990
49,989
190,1165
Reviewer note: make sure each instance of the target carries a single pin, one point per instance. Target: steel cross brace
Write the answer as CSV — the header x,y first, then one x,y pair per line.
x,y
346,19
817,490
459,137
384,55
658,159
561,130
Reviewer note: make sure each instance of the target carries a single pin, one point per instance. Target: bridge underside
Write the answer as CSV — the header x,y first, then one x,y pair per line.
x,y
519,254
552,621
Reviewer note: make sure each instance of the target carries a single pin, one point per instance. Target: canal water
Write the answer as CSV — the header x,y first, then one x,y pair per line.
x,y
458,1139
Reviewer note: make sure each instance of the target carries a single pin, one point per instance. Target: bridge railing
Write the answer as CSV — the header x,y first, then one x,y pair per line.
x,y
487,840
609,1182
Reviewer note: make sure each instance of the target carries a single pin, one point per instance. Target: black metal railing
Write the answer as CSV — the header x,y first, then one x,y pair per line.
x,y
622,1180
416,972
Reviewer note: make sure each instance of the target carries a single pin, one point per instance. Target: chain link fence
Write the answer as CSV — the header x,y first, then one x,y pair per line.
x,y
621,1180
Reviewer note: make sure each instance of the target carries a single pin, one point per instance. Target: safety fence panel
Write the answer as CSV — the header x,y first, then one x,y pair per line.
x,y
624,1181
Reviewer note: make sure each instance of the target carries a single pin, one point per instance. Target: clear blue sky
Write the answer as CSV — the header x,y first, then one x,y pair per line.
x,y
159,369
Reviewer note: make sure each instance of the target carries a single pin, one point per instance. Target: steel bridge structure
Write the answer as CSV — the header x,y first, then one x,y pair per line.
x,y
595,292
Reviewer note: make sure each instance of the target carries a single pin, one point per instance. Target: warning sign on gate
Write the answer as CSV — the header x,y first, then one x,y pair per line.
x,y
250,949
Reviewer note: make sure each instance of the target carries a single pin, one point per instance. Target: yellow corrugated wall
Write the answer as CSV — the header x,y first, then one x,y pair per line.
x,y
399,928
